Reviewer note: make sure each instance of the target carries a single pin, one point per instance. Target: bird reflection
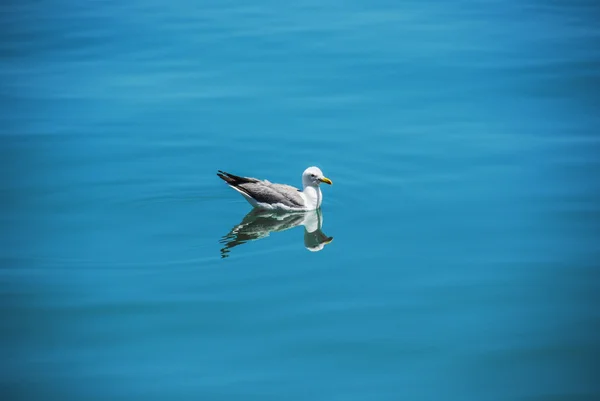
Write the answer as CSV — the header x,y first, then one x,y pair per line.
x,y
259,224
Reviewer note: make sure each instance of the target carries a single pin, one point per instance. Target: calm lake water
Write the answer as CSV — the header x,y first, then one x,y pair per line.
x,y
461,138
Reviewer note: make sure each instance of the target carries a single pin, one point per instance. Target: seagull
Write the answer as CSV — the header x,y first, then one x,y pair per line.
x,y
263,194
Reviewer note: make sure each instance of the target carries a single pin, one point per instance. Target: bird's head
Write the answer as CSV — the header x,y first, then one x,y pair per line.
x,y
313,176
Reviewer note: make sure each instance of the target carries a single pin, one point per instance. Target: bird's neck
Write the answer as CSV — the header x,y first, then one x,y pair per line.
x,y
313,196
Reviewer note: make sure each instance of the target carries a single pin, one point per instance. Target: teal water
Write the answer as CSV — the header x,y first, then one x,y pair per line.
x,y
462,140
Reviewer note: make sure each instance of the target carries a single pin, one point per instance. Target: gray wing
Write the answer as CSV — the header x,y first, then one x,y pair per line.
x,y
264,191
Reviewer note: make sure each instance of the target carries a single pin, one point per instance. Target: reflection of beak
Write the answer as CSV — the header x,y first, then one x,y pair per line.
x,y
326,180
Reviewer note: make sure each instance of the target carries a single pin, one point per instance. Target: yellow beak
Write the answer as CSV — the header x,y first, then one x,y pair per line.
x,y
326,180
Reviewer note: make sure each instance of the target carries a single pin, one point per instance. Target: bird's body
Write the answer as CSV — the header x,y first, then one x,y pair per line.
x,y
263,194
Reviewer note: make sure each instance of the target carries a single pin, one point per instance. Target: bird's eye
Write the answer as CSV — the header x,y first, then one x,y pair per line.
x,y
313,176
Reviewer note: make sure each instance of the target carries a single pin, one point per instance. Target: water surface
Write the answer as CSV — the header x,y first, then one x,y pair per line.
x,y
462,141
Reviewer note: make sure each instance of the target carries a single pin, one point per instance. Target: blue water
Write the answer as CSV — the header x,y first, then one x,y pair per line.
x,y
462,141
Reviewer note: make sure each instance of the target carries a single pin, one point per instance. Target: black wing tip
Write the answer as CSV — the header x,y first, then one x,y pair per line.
x,y
225,173
225,177
235,179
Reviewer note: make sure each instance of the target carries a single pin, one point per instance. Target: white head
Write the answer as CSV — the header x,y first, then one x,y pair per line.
x,y
313,177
